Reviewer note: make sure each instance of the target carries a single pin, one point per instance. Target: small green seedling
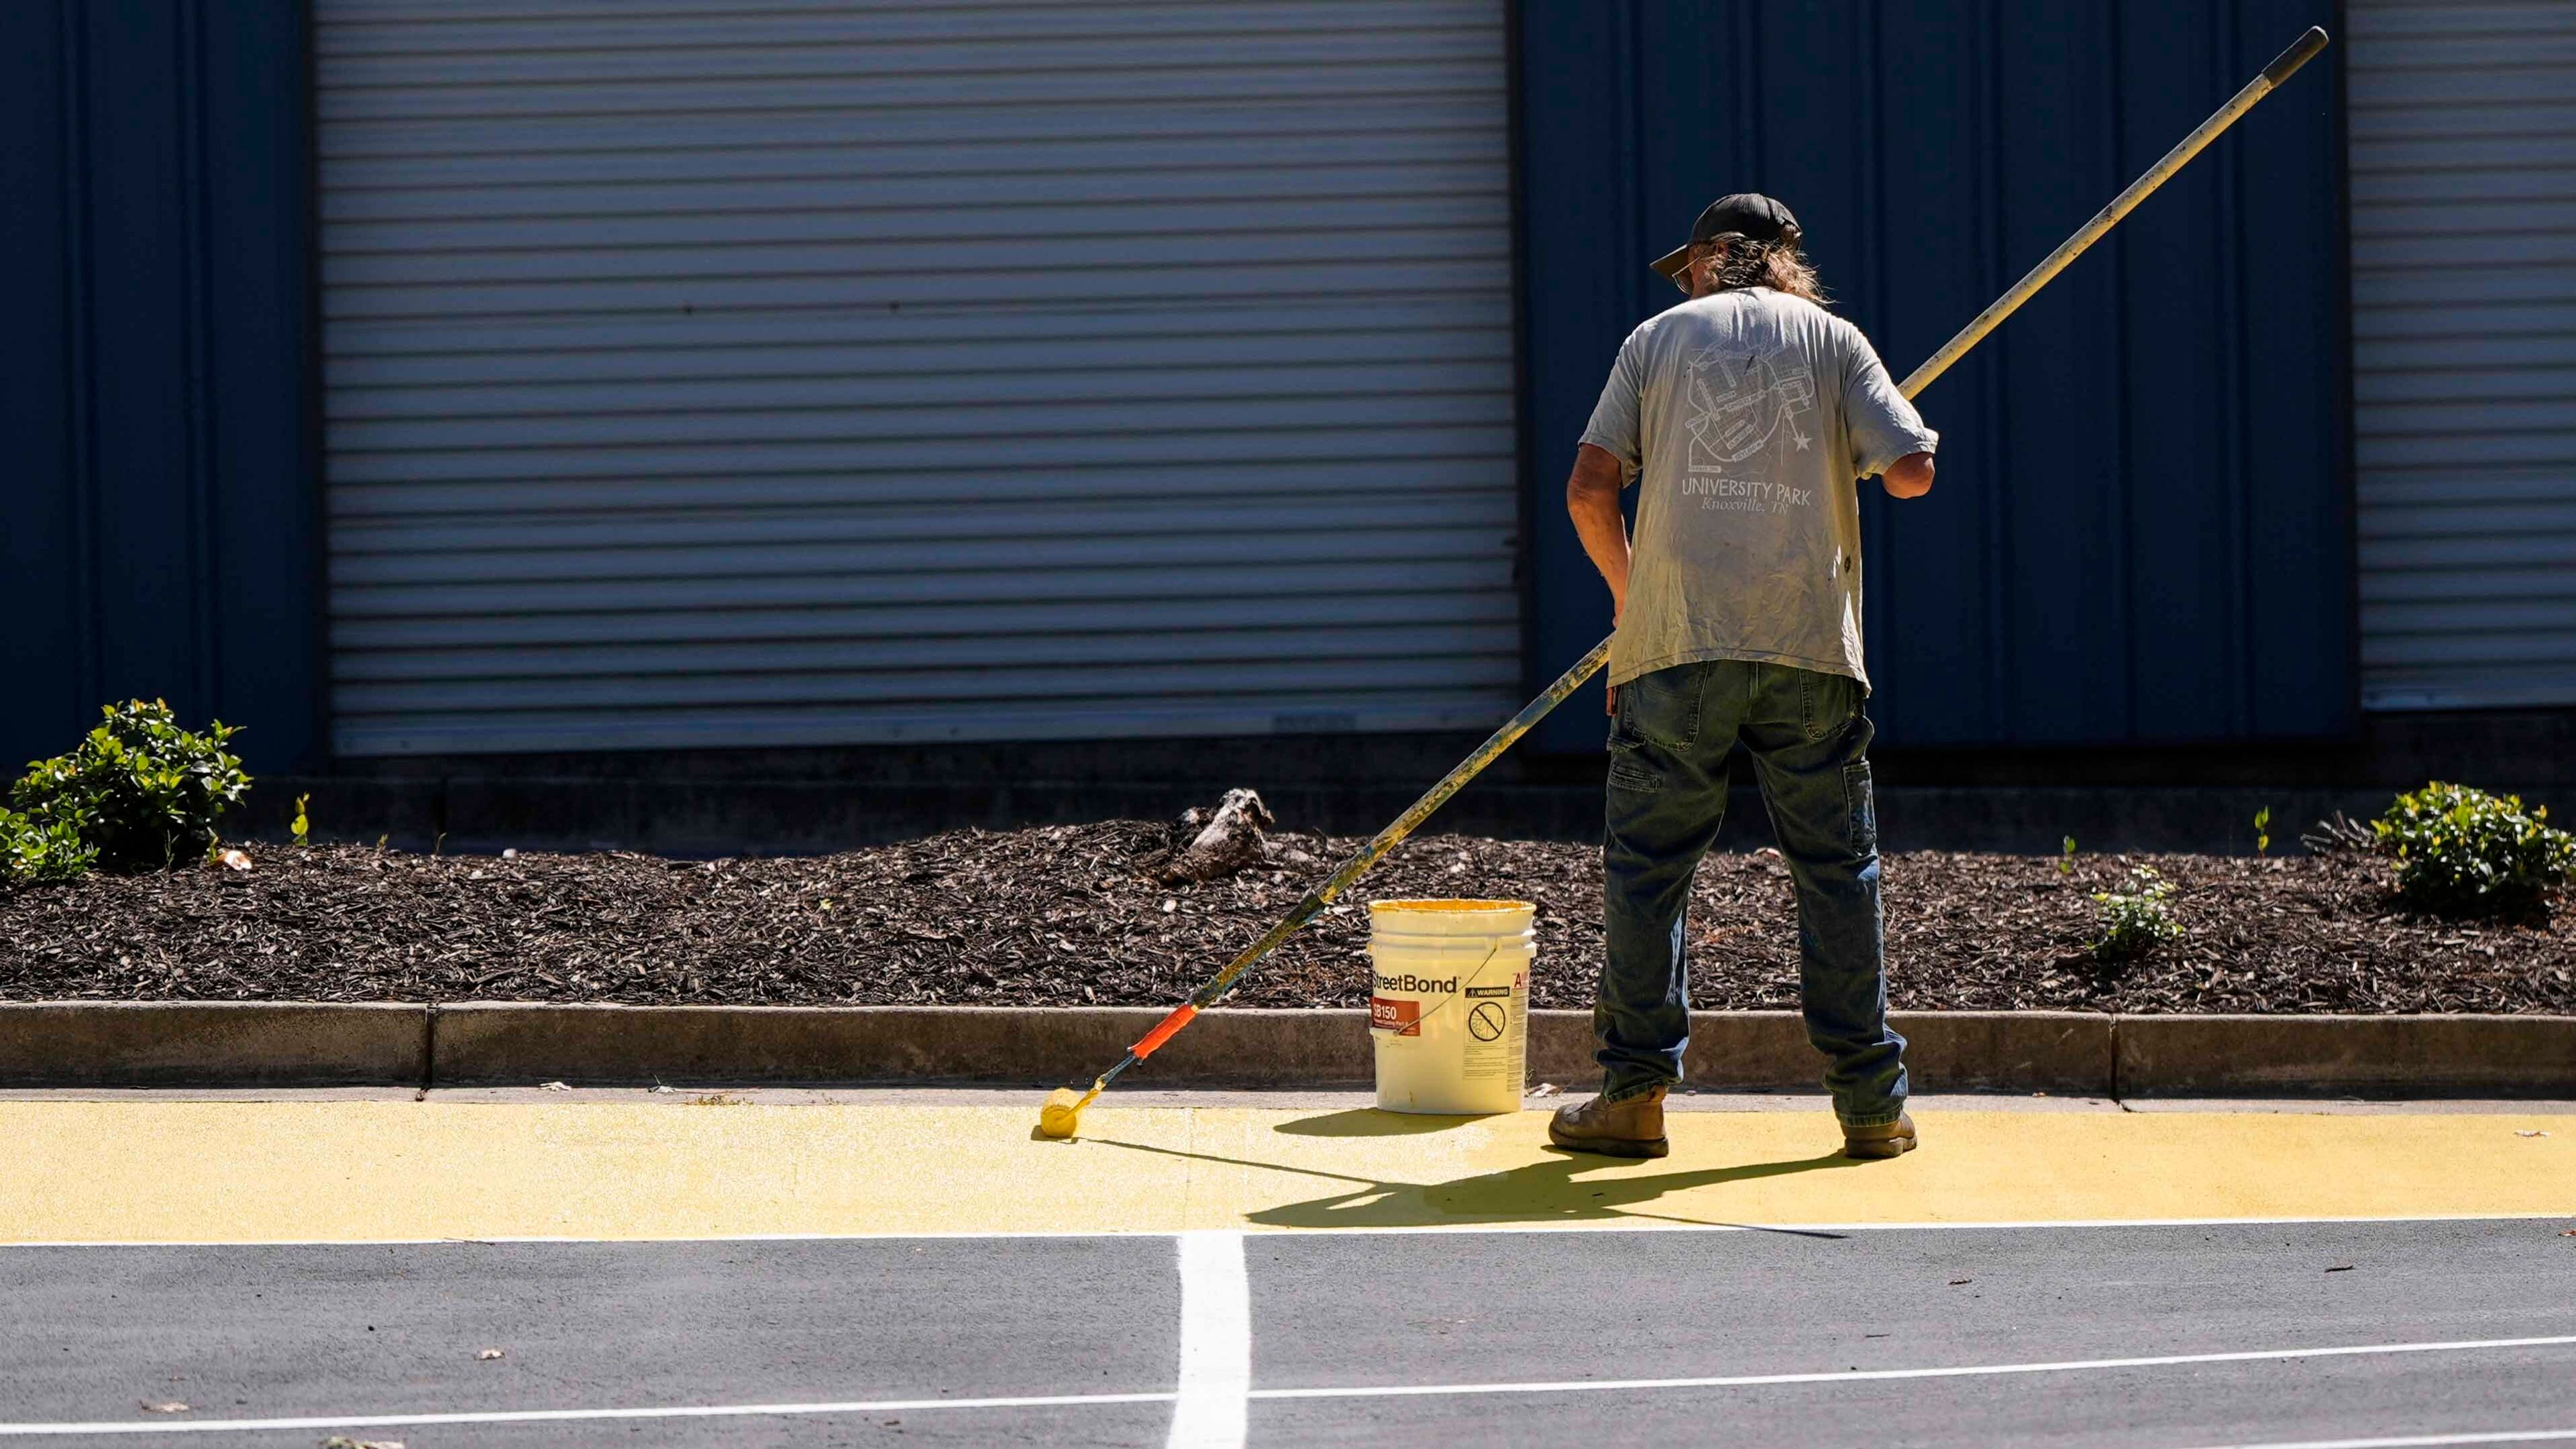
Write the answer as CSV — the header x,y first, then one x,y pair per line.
x,y
2135,921
2263,830
303,826
2066,857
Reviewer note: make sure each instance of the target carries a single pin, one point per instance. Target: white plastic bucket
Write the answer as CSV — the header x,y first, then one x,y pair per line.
x,y
1449,1003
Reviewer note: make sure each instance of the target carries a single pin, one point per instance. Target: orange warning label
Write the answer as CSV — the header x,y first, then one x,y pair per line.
x,y
1400,1015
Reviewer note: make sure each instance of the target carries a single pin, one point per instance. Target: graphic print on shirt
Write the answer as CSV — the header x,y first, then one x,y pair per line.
x,y
1741,399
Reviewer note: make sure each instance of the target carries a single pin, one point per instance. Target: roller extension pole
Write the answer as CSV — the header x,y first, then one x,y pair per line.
x,y
1063,1109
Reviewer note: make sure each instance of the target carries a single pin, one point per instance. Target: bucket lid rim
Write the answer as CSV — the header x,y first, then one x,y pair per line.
x,y
1435,905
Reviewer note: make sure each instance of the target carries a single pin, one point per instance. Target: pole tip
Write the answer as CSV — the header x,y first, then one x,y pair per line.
x,y
2301,51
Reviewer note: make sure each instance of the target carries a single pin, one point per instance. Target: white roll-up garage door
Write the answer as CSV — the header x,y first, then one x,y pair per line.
x,y
2463,124
755,372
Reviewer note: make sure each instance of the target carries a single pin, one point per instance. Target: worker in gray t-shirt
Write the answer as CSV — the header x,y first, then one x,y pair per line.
x,y
1745,416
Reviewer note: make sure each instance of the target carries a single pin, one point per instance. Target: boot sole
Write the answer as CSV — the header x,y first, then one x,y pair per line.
x,y
1879,1150
1614,1146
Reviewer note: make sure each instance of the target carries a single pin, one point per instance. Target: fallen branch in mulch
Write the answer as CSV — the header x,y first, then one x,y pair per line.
x,y
1226,842
1082,914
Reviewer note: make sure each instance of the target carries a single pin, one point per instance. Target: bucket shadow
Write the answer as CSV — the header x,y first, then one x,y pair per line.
x,y
1372,1122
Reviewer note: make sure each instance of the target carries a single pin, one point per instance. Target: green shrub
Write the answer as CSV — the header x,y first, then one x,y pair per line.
x,y
140,792
32,851
2464,852
2135,922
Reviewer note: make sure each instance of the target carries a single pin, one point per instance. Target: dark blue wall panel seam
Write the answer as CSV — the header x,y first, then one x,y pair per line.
x,y
1875,519
2346,498
1865,181
2234,413
1632,128
1528,470
1996,496
79,345
197,242
1634,186
2125,501
323,743
1754,95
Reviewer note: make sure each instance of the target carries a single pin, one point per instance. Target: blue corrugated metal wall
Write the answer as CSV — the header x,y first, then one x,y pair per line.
x,y
2141,527
2141,531
158,510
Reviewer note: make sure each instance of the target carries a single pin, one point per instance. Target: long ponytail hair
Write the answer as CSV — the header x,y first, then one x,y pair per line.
x,y
1740,261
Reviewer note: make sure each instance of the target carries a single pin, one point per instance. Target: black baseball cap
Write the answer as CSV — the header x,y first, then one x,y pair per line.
x,y
1746,213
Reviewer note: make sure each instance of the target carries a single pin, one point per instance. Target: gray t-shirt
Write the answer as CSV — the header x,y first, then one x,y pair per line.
x,y
1746,417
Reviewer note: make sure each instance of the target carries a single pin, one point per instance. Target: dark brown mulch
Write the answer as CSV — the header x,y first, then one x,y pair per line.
x,y
1077,914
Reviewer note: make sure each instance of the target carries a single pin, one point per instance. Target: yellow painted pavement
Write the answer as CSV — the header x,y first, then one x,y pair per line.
x,y
166,1171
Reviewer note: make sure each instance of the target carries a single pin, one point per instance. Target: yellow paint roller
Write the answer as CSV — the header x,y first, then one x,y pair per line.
x,y
1063,1110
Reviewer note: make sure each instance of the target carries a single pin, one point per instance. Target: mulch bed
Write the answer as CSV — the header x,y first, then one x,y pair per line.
x,y
1072,915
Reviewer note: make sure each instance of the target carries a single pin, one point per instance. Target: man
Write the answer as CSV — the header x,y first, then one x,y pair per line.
x,y
1745,415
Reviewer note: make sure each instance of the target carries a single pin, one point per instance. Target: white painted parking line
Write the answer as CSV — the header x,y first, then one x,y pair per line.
x,y
1210,1411
552,1416
2060,1366
1360,1391
2422,1440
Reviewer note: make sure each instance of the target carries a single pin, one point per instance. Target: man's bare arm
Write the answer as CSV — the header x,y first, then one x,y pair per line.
x,y
1592,500
1908,477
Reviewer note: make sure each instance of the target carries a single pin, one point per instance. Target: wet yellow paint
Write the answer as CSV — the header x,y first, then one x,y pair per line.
x,y
293,1171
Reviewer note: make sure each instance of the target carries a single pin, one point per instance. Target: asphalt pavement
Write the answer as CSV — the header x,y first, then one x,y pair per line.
x,y
1558,1321
1400,1338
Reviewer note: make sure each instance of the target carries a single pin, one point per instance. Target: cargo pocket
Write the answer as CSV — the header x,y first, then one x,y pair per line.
x,y
1630,774
1860,809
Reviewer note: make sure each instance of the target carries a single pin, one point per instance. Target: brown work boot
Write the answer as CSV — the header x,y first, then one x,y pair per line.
x,y
1887,1139
1631,1127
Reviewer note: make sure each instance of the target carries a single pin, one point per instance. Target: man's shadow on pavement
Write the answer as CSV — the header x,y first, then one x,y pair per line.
x,y
1562,1187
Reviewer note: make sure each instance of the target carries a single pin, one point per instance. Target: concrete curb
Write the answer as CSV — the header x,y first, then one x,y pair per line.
x,y
492,1043
486,1044
210,1043
219,1044
2413,1056
2066,1052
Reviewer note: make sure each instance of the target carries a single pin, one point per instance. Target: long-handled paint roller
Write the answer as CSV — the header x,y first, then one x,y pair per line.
x,y
1062,1113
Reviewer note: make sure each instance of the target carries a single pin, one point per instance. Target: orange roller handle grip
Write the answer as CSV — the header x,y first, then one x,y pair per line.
x,y
1162,1032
